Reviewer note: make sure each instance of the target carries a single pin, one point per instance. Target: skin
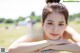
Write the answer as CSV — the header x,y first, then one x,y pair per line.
x,y
55,24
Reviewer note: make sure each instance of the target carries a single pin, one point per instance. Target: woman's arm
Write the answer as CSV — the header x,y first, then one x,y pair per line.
x,y
67,47
28,47
25,45
54,43
75,37
72,34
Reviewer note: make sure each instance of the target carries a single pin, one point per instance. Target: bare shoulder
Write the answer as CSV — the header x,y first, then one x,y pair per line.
x,y
25,38
70,33
28,38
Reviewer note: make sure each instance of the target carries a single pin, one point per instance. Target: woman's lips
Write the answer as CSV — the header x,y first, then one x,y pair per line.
x,y
54,34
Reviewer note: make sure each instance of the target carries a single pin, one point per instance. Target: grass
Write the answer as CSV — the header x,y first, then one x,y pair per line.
x,y
75,25
7,36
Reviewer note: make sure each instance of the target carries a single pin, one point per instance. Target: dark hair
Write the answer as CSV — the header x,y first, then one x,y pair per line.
x,y
54,5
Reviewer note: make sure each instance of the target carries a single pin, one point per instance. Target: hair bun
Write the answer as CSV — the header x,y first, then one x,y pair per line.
x,y
51,1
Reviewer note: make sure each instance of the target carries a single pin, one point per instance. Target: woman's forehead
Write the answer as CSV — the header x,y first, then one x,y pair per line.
x,y
55,17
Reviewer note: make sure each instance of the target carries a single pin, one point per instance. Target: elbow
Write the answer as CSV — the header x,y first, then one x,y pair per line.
x,y
13,50
16,50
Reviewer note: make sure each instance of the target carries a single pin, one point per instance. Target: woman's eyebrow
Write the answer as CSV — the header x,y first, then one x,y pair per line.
x,y
50,20
53,21
61,21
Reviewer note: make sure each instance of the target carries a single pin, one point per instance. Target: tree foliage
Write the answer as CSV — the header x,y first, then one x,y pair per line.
x,y
2,20
72,17
9,21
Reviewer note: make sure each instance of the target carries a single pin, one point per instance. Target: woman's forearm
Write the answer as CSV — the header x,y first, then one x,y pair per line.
x,y
28,47
68,47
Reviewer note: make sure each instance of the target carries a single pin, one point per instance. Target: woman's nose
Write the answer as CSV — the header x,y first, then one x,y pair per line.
x,y
55,28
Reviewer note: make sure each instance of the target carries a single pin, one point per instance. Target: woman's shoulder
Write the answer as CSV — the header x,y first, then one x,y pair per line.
x,y
29,38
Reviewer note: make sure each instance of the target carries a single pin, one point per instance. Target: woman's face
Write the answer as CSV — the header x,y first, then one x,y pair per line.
x,y
54,26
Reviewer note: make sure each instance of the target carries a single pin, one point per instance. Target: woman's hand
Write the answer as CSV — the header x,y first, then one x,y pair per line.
x,y
54,44
58,42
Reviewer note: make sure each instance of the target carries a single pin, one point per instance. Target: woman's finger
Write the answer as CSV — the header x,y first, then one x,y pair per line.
x,y
57,42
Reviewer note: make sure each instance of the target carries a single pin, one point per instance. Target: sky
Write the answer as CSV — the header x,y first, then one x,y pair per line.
x,y
15,8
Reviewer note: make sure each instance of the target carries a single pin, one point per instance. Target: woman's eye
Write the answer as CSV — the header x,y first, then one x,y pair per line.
x,y
61,24
50,23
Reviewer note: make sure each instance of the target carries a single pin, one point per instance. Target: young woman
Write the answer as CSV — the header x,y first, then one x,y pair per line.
x,y
56,33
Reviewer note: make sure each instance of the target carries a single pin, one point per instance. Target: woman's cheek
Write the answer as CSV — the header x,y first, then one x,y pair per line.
x,y
47,29
61,30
